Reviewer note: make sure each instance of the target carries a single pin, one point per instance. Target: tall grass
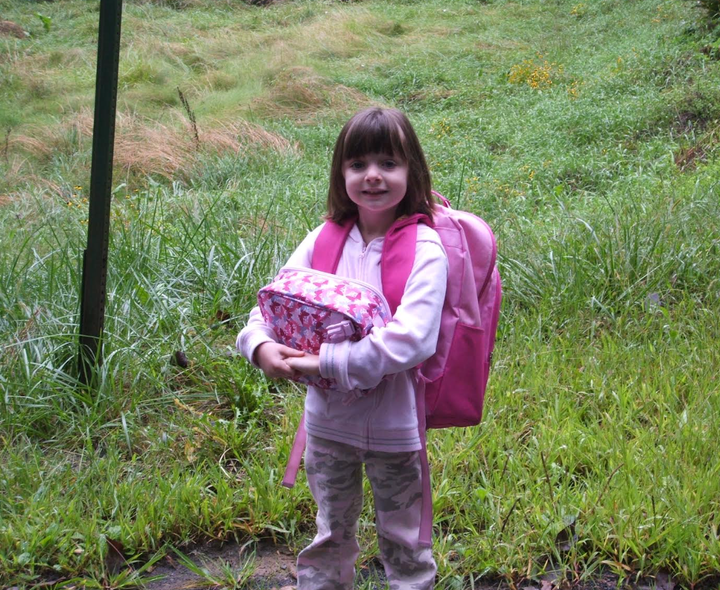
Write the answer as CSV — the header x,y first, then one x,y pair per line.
x,y
149,423
585,133
632,257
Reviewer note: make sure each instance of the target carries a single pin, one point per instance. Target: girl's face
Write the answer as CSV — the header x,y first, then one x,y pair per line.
x,y
376,183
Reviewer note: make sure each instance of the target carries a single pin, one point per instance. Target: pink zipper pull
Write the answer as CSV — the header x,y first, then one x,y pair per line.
x,y
339,332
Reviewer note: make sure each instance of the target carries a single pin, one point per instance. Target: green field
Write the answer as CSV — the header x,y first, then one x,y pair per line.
x,y
586,134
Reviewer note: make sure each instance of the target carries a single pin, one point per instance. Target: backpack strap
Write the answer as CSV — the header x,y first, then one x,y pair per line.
x,y
325,257
398,257
296,453
443,200
329,245
426,511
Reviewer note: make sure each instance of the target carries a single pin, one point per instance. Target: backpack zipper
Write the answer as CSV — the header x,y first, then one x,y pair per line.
x,y
358,282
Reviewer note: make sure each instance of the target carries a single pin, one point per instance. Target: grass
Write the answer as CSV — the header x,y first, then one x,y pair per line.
x,y
585,133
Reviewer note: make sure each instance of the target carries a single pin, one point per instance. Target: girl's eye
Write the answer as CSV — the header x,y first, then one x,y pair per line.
x,y
356,165
389,164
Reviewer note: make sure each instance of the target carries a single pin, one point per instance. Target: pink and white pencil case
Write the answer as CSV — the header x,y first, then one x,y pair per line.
x,y
306,307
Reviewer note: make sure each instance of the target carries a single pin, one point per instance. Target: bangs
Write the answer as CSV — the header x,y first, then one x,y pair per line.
x,y
375,133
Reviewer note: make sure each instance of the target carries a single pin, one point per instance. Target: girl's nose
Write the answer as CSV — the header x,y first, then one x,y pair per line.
x,y
372,173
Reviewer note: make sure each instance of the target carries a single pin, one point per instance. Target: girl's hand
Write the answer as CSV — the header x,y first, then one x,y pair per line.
x,y
273,359
307,365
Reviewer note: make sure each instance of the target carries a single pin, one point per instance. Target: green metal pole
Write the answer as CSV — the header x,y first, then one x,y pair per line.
x,y
92,302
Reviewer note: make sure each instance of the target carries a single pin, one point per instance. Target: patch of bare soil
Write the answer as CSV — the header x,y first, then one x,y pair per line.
x,y
274,569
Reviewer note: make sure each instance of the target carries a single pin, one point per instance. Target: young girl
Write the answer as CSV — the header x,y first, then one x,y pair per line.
x,y
378,174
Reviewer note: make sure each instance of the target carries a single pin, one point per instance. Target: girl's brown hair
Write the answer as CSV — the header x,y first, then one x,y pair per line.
x,y
380,131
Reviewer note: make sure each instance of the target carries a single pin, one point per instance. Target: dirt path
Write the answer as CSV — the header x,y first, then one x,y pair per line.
x,y
273,568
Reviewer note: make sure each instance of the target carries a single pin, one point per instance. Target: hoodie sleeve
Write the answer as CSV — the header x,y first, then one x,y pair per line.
x,y
256,331
409,339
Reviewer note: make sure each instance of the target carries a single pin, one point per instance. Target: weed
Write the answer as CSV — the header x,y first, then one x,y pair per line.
x,y
45,20
538,73
191,115
224,575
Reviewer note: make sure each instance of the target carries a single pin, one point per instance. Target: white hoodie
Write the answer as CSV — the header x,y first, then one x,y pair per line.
x,y
382,416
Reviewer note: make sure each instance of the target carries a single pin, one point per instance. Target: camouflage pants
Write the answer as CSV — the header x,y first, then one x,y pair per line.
x,y
334,473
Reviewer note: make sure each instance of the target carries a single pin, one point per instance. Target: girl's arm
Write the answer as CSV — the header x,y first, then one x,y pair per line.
x,y
256,332
409,339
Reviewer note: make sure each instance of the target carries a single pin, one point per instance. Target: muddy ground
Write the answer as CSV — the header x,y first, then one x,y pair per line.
x,y
274,569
